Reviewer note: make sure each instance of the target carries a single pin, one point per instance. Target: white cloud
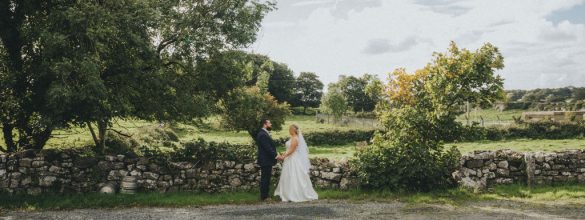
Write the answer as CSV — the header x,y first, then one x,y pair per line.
x,y
333,37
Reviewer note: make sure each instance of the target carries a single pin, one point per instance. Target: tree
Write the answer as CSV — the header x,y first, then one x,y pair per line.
x,y
334,102
374,89
354,90
87,63
282,82
244,108
408,153
309,90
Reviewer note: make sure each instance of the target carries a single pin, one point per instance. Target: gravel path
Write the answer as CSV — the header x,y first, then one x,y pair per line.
x,y
323,210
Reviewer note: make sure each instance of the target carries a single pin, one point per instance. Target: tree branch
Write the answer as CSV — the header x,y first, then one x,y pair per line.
x,y
163,44
95,139
119,132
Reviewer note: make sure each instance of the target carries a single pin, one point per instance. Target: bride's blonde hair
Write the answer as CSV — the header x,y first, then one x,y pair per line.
x,y
295,127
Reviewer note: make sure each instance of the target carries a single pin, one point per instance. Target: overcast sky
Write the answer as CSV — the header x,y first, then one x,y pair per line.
x,y
543,41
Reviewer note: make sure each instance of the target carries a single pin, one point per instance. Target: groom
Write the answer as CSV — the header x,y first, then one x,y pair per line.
x,y
266,157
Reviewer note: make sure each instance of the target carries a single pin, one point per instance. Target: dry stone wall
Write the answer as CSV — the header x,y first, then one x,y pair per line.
x,y
482,169
34,172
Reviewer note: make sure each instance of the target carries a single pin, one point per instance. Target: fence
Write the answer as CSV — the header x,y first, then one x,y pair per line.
x,y
347,120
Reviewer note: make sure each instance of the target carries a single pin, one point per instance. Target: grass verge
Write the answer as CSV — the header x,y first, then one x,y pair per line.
x,y
563,194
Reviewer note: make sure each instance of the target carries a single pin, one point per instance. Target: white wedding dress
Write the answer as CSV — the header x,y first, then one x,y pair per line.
x,y
295,183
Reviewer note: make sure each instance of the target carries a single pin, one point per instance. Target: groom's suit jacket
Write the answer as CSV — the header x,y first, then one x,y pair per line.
x,y
266,149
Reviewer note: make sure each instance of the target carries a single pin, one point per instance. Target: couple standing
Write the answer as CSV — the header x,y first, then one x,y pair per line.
x,y
295,183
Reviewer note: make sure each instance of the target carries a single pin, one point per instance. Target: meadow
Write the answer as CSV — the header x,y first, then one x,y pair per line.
x,y
211,129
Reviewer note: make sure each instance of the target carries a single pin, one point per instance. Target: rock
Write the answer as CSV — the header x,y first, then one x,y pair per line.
x,y
504,181
331,176
474,163
135,173
468,172
475,185
26,181
492,166
503,164
47,181
26,162
38,163
108,189
229,164
336,170
485,155
84,163
503,172
151,175
235,182
249,167
56,170
34,191
110,158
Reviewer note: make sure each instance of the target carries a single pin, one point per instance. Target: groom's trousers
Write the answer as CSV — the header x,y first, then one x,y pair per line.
x,y
265,175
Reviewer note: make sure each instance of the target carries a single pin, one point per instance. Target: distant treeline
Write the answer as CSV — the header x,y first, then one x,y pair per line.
x,y
567,98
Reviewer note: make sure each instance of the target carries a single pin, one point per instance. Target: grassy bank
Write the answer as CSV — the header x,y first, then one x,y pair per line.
x,y
522,145
568,194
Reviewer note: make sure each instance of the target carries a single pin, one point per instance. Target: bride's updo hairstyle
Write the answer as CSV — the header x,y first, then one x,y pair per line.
x,y
295,128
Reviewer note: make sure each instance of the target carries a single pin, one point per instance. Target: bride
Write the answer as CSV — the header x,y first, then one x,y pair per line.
x,y
295,183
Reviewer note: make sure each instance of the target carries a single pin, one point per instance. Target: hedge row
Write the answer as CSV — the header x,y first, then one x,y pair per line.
x,y
539,130
335,137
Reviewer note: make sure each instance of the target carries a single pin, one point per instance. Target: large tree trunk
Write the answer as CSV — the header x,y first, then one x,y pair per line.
x,y
7,133
99,138
41,138
102,129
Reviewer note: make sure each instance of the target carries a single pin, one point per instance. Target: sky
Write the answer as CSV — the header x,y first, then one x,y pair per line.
x,y
542,41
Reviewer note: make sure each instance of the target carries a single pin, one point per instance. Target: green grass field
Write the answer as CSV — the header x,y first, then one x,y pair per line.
x,y
565,194
210,131
522,145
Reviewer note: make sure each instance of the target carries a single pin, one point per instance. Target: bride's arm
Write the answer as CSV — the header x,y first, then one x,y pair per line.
x,y
293,146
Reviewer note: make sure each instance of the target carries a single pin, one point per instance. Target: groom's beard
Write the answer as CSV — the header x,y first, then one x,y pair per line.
x,y
269,128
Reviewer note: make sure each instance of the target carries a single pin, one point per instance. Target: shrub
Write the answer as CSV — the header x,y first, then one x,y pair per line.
x,y
119,144
536,130
201,152
405,166
335,137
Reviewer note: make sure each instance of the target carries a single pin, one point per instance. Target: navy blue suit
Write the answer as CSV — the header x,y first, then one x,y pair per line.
x,y
266,159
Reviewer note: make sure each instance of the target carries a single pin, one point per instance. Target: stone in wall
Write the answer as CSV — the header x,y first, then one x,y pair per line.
x,y
35,172
482,169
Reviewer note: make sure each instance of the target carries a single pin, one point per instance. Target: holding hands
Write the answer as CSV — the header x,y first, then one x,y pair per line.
x,y
280,157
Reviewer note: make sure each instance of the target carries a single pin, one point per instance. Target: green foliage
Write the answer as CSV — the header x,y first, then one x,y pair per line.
x,y
334,137
308,91
408,153
334,103
536,130
243,110
361,94
406,166
87,62
203,152
303,111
